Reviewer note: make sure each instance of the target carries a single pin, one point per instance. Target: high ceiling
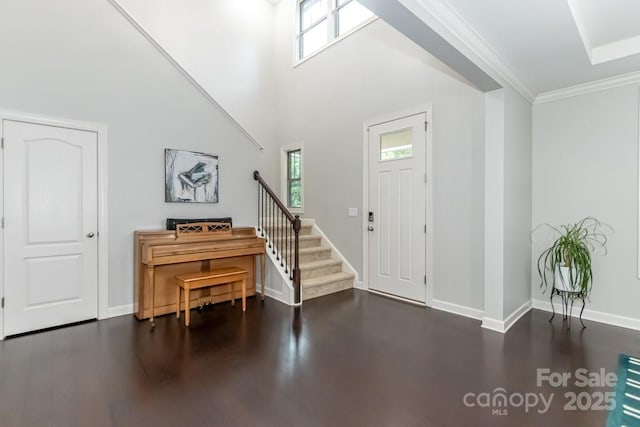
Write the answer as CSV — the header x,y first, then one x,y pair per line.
x,y
536,46
547,48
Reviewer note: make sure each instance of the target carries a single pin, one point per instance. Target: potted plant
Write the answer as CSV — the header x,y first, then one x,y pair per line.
x,y
566,264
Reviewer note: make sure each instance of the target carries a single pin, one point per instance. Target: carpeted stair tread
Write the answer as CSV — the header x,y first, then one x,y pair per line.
x,y
302,237
319,264
314,249
330,278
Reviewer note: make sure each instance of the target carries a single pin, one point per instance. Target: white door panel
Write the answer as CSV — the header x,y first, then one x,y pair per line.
x,y
54,216
51,226
397,197
384,237
40,270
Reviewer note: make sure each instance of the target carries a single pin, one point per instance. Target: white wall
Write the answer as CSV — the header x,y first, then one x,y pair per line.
x,y
226,45
377,71
585,163
508,207
494,206
84,61
517,201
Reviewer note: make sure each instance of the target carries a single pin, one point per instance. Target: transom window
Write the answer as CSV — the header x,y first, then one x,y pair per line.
x,y
321,22
396,145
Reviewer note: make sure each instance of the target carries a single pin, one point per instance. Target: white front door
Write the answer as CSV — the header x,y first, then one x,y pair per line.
x,y
397,213
50,210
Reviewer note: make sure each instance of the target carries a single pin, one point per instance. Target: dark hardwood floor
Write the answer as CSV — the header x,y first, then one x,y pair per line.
x,y
351,359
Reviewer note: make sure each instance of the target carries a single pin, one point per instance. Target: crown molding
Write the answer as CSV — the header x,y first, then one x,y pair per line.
x,y
594,86
454,29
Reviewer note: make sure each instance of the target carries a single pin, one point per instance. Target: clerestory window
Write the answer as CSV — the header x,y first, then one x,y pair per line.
x,y
322,22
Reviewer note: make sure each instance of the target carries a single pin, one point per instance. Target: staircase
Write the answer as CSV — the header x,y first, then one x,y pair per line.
x,y
321,272
299,250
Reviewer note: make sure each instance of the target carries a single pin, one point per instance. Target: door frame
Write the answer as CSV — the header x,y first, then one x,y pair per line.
x,y
103,233
426,109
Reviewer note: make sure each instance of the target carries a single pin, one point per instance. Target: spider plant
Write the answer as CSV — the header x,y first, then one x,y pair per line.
x,y
568,259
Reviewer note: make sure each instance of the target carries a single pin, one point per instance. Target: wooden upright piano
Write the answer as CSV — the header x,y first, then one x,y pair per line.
x,y
161,255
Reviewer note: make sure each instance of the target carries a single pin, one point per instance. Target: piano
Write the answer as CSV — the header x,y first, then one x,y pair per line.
x,y
163,254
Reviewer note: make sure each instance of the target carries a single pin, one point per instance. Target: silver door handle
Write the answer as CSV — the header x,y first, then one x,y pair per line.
x,y
90,235
370,228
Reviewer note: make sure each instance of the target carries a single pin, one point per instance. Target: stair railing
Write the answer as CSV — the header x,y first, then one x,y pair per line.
x,y
282,231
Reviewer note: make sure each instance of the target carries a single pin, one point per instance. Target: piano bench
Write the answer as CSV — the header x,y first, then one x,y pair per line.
x,y
207,279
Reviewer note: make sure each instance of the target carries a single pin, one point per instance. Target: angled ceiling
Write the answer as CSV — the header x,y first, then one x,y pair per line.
x,y
541,48
401,18
542,43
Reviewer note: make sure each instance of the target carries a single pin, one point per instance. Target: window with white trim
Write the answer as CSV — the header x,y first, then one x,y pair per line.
x,y
293,177
321,22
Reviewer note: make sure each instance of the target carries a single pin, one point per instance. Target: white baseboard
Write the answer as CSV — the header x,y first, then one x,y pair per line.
x,y
596,316
460,310
517,314
121,310
503,326
124,310
271,293
357,284
397,298
493,324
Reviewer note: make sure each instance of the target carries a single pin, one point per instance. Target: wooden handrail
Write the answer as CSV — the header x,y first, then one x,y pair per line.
x,y
283,208
273,222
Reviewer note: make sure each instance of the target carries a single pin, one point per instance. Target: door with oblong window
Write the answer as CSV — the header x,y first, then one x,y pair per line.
x,y
397,208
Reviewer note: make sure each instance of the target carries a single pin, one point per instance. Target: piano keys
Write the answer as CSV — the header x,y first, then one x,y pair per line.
x,y
160,256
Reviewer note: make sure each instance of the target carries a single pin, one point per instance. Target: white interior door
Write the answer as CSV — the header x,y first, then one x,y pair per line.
x,y
397,212
50,204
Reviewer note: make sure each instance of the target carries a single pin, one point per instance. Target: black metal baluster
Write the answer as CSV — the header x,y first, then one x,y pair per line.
x,y
291,255
286,247
269,231
273,223
296,261
269,220
280,232
284,228
278,254
262,192
281,238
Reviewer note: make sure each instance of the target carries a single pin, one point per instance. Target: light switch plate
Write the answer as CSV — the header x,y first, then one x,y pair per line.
x,y
353,211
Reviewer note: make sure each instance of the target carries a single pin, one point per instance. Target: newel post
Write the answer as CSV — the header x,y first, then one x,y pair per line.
x,y
296,262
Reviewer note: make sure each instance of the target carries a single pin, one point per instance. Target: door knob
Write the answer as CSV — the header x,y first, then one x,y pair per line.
x,y
90,235
370,228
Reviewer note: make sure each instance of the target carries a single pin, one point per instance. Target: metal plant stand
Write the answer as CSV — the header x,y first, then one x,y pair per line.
x,y
568,298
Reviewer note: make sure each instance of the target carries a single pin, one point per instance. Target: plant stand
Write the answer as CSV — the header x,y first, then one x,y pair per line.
x,y
568,298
